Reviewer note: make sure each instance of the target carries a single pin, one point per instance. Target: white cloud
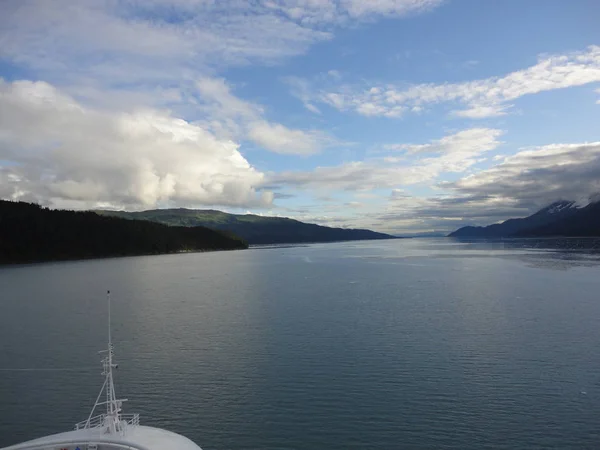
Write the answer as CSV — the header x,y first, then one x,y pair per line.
x,y
233,117
483,98
453,153
301,90
473,140
127,54
457,152
130,38
97,131
280,139
482,112
124,55
339,12
359,8
352,176
217,95
312,108
221,33
57,152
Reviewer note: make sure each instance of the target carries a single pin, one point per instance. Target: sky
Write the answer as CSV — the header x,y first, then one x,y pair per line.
x,y
400,116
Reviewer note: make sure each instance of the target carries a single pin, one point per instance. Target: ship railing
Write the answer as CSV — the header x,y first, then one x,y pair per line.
x,y
100,420
131,419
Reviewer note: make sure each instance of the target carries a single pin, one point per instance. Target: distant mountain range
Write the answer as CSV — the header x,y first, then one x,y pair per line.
x,y
256,230
563,218
424,234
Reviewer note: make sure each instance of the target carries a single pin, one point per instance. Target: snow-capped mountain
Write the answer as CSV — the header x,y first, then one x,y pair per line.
x,y
554,212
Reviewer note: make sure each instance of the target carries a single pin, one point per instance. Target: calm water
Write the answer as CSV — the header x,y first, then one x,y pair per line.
x,y
384,345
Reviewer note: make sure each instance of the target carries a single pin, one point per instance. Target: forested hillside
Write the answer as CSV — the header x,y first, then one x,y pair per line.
x,y
29,232
252,228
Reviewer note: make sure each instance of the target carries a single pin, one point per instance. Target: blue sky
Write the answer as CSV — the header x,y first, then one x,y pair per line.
x,y
396,115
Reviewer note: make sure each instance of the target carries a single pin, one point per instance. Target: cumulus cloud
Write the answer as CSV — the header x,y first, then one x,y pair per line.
x,y
483,98
452,153
58,152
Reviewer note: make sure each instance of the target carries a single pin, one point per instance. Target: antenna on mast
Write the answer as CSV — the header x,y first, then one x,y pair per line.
x,y
113,406
112,419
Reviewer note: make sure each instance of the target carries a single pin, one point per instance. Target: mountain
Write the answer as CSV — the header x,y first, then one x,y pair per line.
x,y
585,222
555,212
425,234
31,233
254,229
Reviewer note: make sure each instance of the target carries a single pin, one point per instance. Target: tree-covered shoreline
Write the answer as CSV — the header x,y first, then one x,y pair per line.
x,y
31,233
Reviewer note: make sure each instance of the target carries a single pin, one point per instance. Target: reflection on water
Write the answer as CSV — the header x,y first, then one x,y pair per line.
x,y
408,343
555,253
552,253
591,245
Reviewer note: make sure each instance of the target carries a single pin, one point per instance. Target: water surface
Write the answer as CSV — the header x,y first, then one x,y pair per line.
x,y
386,344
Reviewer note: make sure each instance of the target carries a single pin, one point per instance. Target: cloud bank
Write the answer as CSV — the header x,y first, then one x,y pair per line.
x,y
58,152
518,186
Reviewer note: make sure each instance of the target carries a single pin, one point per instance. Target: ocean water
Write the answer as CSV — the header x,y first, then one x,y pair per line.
x,y
412,344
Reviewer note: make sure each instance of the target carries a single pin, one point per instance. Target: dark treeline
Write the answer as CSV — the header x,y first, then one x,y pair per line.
x,y
31,233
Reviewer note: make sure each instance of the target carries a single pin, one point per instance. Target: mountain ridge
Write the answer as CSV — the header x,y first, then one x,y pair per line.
x,y
563,218
255,229
584,223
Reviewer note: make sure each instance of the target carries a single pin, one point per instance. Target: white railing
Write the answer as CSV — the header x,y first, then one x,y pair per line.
x,y
99,421
93,422
133,420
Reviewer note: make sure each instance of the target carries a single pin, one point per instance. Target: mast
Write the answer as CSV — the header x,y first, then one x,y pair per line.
x,y
113,406
112,419
111,400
